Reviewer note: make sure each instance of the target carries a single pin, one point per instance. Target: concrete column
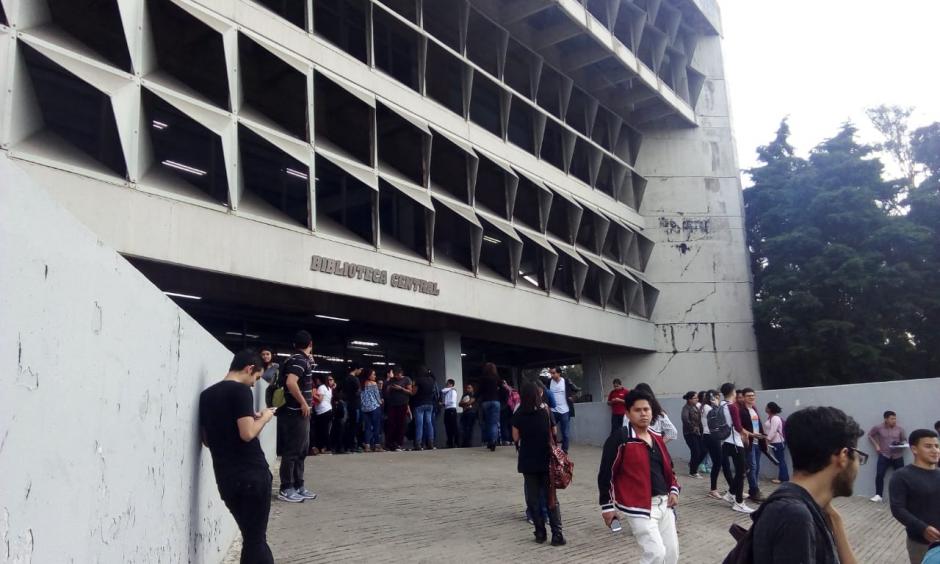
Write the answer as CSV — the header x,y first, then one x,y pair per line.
x,y
442,357
596,380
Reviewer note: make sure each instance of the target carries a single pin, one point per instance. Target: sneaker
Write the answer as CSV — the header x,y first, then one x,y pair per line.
x,y
728,497
757,496
290,496
306,494
696,476
876,498
742,508
558,539
399,449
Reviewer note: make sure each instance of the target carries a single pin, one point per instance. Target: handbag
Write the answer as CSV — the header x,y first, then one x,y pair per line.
x,y
560,467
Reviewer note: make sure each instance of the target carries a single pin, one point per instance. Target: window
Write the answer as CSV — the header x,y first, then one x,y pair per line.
x,y
97,24
291,10
403,222
522,125
274,88
276,177
486,105
342,23
344,204
445,78
396,49
402,146
190,51
342,119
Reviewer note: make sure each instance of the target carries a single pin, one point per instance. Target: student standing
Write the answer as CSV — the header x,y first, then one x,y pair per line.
x,y
733,449
468,415
488,402
560,388
713,443
449,398
397,395
532,429
915,495
351,395
371,412
886,438
615,401
230,427
798,523
692,432
293,420
636,478
755,435
423,408
323,415
777,441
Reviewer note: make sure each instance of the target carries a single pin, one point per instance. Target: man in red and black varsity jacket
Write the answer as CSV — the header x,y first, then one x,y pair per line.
x,y
636,478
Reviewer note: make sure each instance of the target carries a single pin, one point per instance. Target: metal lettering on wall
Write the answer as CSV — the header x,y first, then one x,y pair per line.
x,y
374,275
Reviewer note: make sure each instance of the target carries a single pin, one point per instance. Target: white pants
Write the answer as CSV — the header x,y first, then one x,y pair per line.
x,y
657,535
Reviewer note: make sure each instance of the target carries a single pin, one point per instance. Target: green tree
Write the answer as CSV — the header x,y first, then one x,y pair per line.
x,y
834,269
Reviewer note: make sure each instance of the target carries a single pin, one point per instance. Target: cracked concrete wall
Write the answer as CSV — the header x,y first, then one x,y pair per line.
x,y
694,212
100,375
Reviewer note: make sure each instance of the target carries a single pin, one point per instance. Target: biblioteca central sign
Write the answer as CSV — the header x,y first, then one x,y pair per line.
x,y
353,271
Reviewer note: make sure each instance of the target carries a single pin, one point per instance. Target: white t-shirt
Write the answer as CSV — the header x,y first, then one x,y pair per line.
x,y
561,399
735,437
705,409
326,398
450,398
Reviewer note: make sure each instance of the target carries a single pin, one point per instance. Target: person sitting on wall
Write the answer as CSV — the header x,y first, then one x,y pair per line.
x,y
230,427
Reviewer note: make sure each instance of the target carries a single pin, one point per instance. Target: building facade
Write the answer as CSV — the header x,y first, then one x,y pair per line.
x,y
447,181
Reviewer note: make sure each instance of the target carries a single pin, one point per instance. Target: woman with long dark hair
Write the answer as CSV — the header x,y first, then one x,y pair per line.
x,y
488,400
720,464
532,428
661,422
776,440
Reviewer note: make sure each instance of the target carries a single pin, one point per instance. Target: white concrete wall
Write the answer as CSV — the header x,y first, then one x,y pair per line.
x,y
694,212
915,402
100,375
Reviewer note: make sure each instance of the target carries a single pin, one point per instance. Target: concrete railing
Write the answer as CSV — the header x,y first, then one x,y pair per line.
x,y
915,402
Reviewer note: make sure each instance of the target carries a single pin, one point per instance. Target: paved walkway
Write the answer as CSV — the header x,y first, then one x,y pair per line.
x,y
465,505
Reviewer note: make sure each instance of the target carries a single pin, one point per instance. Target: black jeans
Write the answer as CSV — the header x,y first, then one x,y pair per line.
x,y
616,422
883,464
294,430
468,420
536,490
736,454
322,423
351,429
248,496
697,451
450,427
719,463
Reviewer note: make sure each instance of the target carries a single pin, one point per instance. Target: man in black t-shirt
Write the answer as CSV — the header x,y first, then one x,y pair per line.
x,y
293,420
797,523
230,426
351,394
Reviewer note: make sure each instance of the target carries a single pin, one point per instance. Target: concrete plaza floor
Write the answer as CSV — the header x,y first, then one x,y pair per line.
x,y
465,505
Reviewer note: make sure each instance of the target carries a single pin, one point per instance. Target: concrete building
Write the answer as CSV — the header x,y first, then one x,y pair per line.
x,y
443,182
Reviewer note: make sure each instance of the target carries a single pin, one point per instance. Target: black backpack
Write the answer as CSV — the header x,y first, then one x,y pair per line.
x,y
718,426
743,551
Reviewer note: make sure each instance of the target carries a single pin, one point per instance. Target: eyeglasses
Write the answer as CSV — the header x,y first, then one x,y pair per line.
x,y
862,456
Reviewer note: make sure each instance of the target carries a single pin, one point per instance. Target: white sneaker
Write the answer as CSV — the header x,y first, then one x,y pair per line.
x,y
876,498
728,497
742,508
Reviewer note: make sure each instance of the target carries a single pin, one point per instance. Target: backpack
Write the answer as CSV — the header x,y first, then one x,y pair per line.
x,y
275,394
718,426
743,551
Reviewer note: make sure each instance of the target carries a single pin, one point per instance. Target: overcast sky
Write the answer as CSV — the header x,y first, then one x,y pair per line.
x,y
823,62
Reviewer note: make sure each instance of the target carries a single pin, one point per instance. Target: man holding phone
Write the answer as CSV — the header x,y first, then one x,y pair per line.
x,y
230,427
636,478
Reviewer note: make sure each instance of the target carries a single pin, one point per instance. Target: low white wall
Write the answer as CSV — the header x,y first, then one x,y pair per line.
x,y
100,375
915,402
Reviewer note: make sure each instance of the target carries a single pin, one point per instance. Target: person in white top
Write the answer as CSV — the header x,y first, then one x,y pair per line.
x,y
449,399
323,414
559,388
774,427
661,422
733,449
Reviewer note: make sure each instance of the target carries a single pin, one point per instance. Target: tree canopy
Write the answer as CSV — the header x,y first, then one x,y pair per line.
x,y
846,286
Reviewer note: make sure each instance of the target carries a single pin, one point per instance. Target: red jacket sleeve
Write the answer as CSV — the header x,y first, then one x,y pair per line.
x,y
735,417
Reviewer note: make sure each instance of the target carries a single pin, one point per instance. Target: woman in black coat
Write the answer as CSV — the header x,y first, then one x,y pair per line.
x,y
532,428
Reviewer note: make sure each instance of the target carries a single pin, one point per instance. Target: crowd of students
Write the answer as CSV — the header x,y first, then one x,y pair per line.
x,y
636,477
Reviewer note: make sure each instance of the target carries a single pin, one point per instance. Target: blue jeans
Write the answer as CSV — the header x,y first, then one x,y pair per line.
x,y
490,425
373,422
564,425
780,451
424,424
753,464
